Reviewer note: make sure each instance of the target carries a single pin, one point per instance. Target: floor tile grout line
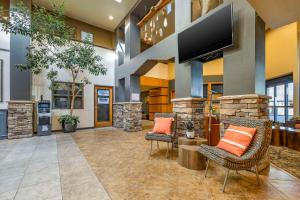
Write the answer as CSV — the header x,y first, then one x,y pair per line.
x,y
29,160
88,165
281,192
60,177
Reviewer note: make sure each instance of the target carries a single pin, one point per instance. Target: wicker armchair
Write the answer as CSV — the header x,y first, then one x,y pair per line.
x,y
252,156
163,137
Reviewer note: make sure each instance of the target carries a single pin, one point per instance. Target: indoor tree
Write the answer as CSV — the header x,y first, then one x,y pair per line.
x,y
53,47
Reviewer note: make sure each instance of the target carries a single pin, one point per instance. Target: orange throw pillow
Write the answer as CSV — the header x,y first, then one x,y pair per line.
x,y
163,125
297,126
237,139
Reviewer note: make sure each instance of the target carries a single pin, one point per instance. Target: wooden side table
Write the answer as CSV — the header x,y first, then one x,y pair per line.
x,y
188,155
196,141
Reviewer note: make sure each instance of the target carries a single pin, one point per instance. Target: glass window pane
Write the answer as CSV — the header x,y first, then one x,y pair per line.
x,y
103,105
290,113
290,94
271,113
270,92
279,99
280,114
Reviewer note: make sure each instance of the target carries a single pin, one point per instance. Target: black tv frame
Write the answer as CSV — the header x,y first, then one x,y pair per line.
x,y
217,50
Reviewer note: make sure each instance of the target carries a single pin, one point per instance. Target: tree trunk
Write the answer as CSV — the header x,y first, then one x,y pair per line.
x,y
72,98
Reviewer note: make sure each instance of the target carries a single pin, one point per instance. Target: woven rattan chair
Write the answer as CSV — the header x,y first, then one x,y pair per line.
x,y
163,137
256,151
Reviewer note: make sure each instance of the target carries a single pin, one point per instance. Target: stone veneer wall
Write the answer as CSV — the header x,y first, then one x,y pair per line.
x,y
132,113
20,119
250,106
118,115
189,109
128,115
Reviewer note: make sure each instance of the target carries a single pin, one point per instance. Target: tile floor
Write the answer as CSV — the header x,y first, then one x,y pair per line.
x,y
71,167
46,168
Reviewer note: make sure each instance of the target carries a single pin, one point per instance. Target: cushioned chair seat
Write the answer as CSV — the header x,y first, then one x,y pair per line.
x,y
158,137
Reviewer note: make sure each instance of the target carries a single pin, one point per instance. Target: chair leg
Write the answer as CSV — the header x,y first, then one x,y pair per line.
x,y
257,175
167,150
151,148
225,181
157,144
207,163
172,149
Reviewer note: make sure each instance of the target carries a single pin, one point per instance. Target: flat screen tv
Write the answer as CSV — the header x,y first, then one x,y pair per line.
x,y
210,35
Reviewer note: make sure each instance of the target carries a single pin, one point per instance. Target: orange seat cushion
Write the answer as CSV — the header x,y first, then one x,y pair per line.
x,y
297,126
163,125
237,139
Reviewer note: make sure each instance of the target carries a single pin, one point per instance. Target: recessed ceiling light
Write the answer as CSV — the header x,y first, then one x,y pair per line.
x,y
110,17
119,1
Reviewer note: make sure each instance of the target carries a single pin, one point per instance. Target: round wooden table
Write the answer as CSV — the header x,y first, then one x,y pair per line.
x,y
188,155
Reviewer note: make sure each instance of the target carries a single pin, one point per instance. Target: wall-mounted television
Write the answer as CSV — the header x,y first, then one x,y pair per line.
x,y
210,35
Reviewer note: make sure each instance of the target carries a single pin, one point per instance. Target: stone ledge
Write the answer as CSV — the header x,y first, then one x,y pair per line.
x,y
188,99
21,102
121,103
245,96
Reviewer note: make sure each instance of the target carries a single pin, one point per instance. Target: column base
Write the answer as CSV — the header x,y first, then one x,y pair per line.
x,y
189,109
20,119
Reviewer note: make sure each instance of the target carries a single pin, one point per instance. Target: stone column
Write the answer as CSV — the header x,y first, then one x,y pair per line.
x,y
250,106
132,116
20,119
189,109
118,115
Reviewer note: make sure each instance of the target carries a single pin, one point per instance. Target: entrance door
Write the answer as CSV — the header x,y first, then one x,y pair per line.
x,y
103,106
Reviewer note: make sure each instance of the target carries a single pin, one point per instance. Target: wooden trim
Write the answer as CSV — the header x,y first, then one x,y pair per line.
x,y
153,11
108,123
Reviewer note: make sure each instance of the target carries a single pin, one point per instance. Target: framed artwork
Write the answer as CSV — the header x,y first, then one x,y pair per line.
x,y
1,80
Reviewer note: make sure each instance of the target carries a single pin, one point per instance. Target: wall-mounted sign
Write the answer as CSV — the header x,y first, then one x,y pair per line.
x,y
135,97
103,100
103,93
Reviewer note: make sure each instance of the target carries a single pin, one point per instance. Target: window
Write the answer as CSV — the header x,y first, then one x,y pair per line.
x,y
86,36
1,80
61,97
281,105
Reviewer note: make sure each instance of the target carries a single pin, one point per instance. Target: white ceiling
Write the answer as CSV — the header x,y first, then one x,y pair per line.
x,y
277,13
94,12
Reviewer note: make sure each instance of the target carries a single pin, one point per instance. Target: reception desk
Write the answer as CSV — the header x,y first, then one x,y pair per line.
x,y
287,137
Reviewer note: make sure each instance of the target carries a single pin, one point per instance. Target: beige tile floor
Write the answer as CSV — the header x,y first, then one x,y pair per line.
x,y
121,161
111,164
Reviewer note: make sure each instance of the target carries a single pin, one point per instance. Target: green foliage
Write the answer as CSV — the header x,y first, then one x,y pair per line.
x,y
189,125
52,46
68,119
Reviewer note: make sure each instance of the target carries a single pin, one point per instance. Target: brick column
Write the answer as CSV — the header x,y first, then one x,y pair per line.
x,y
250,106
20,119
118,115
189,109
132,116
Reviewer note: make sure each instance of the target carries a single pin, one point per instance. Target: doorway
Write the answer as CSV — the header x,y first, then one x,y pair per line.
x,y
103,106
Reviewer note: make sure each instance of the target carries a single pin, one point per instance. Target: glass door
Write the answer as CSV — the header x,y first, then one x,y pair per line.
x,y
103,106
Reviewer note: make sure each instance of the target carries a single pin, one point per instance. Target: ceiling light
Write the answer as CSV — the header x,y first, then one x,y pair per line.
x,y
119,1
110,17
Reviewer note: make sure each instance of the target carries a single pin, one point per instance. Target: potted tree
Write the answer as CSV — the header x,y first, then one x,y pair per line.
x,y
53,48
190,133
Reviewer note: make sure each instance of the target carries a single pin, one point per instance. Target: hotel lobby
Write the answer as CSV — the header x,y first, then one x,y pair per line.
x,y
139,99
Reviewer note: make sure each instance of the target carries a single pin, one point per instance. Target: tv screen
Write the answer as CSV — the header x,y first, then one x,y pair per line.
x,y
212,34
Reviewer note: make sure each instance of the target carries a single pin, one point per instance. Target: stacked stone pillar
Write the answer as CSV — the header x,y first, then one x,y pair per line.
x,y
250,106
20,119
189,109
128,115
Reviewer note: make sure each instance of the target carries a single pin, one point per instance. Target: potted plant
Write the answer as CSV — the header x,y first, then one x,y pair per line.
x,y
69,123
190,133
53,48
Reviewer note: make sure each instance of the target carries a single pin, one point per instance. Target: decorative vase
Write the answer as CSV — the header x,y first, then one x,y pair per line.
x,y
190,134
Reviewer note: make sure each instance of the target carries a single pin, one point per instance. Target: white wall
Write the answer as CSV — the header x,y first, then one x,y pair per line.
x,y
5,55
40,86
